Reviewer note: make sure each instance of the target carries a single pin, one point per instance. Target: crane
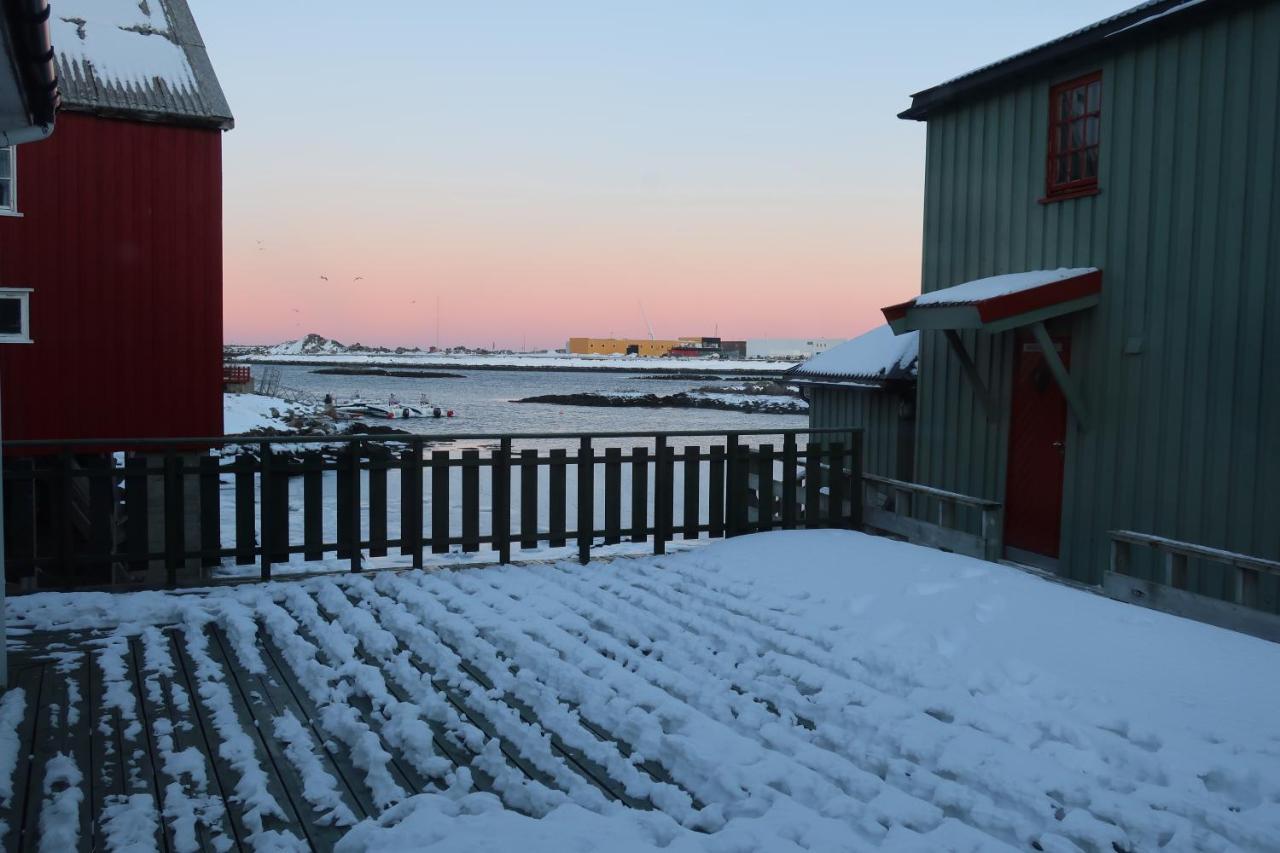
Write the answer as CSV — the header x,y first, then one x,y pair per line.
x,y
647,324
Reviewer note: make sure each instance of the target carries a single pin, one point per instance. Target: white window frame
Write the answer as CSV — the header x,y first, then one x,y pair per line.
x,y
24,296
12,208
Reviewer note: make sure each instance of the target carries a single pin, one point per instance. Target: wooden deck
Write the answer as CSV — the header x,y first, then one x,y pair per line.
x,y
162,764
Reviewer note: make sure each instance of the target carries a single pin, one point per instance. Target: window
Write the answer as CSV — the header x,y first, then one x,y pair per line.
x,y
8,181
15,315
1075,116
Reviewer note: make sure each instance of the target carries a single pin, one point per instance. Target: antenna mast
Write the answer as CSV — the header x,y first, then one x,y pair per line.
x,y
647,324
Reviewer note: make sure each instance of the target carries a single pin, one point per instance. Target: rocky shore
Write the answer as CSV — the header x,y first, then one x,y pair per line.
x,y
734,402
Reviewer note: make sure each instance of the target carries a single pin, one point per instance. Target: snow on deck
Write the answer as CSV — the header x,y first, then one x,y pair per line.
x,y
877,354
999,285
815,690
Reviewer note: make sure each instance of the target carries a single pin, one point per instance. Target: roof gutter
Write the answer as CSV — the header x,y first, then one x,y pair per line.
x,y
28,23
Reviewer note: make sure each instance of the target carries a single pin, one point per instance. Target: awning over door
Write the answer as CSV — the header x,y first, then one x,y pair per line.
x,y
1000,302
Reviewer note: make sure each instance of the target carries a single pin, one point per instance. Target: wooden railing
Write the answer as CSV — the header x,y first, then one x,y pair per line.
x,y
889,505
1177,555
164,512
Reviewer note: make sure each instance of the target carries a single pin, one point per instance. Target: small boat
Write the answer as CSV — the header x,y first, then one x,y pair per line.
x,y
351,410
394,411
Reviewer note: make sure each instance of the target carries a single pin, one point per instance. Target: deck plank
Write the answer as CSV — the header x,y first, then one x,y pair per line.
x,y
265,755
163,714
265,704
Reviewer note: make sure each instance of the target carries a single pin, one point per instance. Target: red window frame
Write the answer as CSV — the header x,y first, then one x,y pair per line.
x,y
1075,131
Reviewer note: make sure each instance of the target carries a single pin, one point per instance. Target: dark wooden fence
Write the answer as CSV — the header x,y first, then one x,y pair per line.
x,y
163,512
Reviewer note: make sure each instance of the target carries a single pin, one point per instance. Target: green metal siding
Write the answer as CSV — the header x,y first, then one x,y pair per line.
x,y
1185,438
875,412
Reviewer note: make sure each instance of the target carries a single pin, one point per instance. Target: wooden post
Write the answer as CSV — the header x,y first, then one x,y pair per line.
x,y
661,496
440,471
789,463
312,506
835,485
174,539
715,492
411,502
265,523
764,475
379,458
612,495
529,498
136,524
692,491
812,485
993,533
353,492
470,501
500,495
210,511
734,493
586,499
1175,569
557,475
639,494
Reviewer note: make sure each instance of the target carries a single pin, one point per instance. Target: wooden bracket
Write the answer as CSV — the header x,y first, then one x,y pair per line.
x,y
1060,375
971,370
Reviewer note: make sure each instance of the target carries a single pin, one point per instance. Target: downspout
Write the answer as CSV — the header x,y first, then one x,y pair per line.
x,y
33,56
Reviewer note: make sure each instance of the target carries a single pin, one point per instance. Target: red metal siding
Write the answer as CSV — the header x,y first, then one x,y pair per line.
x,y
121,239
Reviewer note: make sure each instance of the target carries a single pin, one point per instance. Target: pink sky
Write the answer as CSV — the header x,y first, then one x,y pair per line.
x,y
544,168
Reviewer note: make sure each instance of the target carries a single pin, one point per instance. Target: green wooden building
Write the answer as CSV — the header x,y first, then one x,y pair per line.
x,y
1100,307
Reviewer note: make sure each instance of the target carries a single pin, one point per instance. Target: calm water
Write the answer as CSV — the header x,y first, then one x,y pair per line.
x,y
481,401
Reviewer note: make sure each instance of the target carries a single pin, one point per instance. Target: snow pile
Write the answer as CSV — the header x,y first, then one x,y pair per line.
x,y
122,43
244,413
877,354
815,690
13,706
999,285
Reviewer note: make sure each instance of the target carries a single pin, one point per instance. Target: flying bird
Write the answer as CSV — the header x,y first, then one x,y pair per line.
x,y
325,277
358,278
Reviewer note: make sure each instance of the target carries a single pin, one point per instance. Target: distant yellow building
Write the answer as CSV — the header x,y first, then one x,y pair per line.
x,y
623,346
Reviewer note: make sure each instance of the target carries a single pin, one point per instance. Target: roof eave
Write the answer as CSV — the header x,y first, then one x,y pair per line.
x,y
28,23
150,116
1116,31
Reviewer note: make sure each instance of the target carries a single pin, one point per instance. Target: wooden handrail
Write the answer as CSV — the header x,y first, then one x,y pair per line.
x,y
930,491
1190,549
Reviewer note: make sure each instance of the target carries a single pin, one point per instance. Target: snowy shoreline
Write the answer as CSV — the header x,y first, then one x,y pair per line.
x,y
761,404
567,363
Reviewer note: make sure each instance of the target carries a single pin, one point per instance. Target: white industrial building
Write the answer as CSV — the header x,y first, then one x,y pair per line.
x,y
789,348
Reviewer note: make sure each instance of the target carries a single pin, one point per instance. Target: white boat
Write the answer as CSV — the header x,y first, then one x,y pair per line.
x,y
394,411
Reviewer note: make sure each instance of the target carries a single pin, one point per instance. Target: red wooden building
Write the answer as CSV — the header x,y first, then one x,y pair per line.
x,y
115,224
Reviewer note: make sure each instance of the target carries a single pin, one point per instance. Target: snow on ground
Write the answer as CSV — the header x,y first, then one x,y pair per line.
x,y
540,361
817,690
242,413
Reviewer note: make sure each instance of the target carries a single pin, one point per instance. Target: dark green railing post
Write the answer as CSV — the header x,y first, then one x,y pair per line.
x,y
586,499
500,495
266,523
661,502
173,506
353,509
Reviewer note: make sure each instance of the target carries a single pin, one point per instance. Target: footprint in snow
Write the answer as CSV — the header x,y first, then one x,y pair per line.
x,y
985,611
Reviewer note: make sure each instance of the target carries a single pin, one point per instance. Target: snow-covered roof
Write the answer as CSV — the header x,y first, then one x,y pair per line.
x,y
137,58
999,302
1063,48
877,355
999,285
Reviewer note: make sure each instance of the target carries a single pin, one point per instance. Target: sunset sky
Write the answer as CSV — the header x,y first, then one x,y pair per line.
x,y
542,168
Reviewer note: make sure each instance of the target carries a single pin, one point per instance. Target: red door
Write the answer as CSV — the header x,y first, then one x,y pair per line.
x,y
1037,448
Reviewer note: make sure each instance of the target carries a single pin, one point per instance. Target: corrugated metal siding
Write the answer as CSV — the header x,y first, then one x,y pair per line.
x,y
874,412
121,239
1185,439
